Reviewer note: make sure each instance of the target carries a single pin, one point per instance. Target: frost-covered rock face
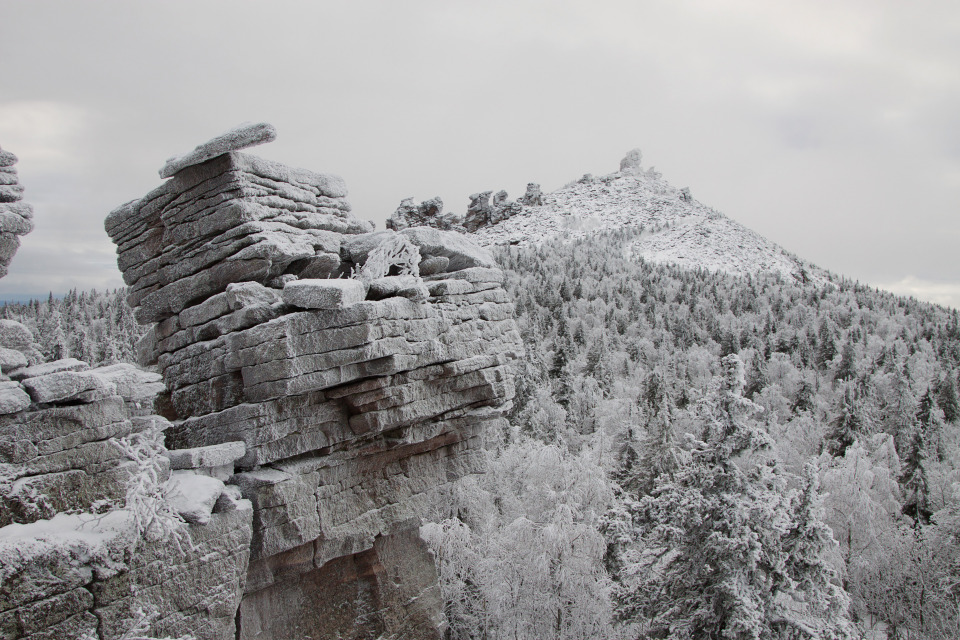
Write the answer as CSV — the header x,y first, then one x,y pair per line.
x,y
355,400
676,228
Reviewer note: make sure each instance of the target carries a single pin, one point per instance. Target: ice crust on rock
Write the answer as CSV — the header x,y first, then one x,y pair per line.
x,y
240,137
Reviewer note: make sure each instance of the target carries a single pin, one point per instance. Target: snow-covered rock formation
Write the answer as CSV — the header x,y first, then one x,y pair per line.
x,y
16,217
82,483
677,228
356,399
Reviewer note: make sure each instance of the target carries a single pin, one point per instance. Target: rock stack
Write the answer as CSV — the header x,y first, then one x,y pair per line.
x,y
16,217
483,213
361,371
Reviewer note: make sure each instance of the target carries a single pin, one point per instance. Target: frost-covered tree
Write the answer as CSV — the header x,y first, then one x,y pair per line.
x,y
519,554
718,549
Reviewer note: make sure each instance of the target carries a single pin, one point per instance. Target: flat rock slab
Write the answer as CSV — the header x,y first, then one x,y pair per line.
x,y
215,455
246,135
64,386
324,294
57,366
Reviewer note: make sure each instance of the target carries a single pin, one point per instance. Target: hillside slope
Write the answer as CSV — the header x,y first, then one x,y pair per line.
x,y
677,228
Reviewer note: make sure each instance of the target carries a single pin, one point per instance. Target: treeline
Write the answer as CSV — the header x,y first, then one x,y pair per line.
x,y
850,392
96,327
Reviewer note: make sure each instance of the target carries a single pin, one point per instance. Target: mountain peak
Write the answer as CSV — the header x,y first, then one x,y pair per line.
x,y
676,228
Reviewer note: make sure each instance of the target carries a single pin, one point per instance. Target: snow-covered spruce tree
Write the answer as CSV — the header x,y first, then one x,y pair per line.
x,y
817,594
720,550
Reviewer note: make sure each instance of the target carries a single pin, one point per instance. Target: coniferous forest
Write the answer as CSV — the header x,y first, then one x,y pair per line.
x,y
691,455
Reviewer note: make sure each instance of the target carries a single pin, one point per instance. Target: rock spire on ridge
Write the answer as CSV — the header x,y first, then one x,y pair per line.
x,y
631,162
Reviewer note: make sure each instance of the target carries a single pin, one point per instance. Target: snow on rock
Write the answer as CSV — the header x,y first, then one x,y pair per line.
x,y
676,228
193,495
58,555
241,137
357,400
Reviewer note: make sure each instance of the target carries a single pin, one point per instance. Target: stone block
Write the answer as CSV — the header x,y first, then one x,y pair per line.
x,y
215,455
324,294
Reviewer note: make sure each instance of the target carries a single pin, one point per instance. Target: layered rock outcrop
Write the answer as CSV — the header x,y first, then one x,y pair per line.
x,y
357,399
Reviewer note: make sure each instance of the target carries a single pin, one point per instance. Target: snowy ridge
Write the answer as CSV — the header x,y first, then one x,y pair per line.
x,y
677,228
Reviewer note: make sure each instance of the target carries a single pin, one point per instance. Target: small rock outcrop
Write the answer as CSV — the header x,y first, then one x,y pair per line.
x,y
483,213
533,197
358,371
428,213
16,217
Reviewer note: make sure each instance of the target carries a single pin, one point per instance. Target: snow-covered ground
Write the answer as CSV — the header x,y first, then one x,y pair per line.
x,y
677,229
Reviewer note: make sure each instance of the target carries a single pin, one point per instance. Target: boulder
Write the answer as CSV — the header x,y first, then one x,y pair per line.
x,y
11,359
434,265
13,398
14,335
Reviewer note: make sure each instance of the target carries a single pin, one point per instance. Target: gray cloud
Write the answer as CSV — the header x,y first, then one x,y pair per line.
x,y
830,128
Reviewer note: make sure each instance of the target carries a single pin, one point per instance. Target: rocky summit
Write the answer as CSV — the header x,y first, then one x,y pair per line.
x,y
320,385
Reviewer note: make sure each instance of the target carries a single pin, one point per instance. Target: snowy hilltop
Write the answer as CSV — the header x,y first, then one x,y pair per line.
x,y
677,228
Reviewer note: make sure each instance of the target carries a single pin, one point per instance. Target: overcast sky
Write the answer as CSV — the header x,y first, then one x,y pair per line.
x,y
831,127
